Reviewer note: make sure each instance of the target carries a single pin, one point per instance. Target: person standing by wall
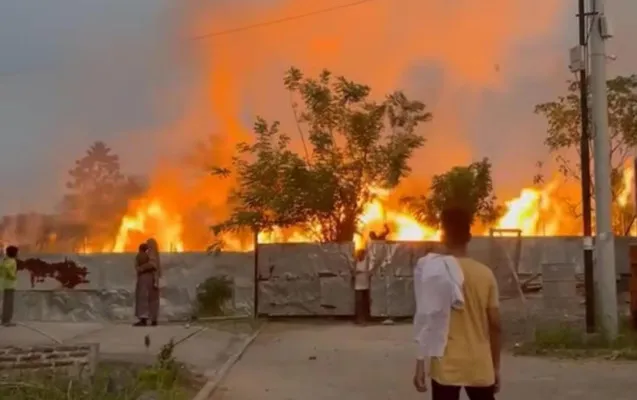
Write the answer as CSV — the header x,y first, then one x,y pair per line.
x,y
362,301
9,276
147,287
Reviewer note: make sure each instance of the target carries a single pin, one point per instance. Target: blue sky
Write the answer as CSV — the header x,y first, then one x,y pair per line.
x,y
75,71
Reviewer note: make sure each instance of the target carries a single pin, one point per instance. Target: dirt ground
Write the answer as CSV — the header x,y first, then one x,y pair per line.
x,y
313,361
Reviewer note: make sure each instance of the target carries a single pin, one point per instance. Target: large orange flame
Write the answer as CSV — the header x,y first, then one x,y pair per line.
x,y
535,212
150,219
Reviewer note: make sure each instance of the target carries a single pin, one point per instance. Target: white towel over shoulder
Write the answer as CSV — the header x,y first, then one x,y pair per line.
x,y
438,282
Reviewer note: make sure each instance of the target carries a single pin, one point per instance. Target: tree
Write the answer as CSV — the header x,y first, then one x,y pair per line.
x,y
350,144
469,187
98,191
564,127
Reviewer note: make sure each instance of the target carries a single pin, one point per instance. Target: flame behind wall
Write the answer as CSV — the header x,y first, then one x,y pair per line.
x,y
447,53
465,41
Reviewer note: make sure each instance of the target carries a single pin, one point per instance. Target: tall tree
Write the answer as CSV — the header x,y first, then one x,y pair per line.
x,y
563,117
98,192
350,143
469,187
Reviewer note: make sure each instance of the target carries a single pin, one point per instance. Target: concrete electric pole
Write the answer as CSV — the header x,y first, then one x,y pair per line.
x,y
606,280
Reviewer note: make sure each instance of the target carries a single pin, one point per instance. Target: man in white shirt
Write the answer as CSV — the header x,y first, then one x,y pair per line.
x,y
361,287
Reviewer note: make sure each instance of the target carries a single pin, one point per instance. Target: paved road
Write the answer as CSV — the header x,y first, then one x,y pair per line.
x,y
328,362
205,348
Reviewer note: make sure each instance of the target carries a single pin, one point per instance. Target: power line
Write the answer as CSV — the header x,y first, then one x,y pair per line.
x,y
8,74
280,20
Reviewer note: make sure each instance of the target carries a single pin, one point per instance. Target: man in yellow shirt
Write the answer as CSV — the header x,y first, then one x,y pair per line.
x,y
471,359
8,276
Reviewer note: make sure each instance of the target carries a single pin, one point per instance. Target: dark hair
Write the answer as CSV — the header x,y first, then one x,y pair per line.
x,y
456,225
143,247
11,251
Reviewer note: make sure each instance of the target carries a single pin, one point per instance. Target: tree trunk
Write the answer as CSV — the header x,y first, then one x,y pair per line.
x,y
346,228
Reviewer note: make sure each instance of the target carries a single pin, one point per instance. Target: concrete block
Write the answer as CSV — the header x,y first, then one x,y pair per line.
x,y
388,258
287,298
337,296
400,297
379,299
304,260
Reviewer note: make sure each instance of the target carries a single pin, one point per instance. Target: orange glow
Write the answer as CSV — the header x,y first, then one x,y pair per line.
x,y
404,227
149,219
628,182
535,212
245,70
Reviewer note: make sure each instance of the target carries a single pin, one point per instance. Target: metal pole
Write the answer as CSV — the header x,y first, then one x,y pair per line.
x,y
585,161
605,244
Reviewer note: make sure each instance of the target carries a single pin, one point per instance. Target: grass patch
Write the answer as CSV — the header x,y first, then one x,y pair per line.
x,y
565,341
166,379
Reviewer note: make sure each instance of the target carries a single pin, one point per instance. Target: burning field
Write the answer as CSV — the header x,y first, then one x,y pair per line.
x,y
538,211
179,215
239,73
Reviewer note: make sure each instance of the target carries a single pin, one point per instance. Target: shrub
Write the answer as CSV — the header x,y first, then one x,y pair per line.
x,y
213,295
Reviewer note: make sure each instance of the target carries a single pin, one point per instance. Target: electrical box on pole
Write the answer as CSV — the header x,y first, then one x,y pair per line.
x,y
577,60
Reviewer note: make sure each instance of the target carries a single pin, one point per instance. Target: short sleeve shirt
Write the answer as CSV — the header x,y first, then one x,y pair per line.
x,y
467,357
8,270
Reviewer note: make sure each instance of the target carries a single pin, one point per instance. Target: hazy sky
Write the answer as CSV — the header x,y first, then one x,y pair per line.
x,y
75,71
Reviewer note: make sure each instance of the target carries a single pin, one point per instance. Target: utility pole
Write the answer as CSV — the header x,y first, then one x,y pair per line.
x,y
606,280
585,161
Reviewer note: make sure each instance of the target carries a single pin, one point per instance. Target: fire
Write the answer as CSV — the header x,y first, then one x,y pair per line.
x,y
533,213
537,211
150,219
403,226
625,210
628,179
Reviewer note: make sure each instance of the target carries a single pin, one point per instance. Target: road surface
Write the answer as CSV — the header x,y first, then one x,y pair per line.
x,y
310,361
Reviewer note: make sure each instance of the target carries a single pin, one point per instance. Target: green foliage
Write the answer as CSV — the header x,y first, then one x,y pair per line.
x,y
563,117
469,187
349,143
213,294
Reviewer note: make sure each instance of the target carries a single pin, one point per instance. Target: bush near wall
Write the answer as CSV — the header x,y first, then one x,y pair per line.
x,y
213,296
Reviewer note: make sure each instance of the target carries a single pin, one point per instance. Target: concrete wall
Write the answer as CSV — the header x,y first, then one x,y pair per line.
x,y
305,279
294,279
314,279
109,295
